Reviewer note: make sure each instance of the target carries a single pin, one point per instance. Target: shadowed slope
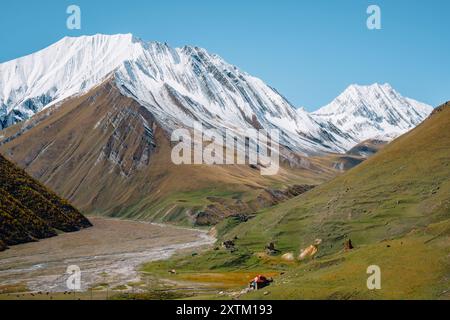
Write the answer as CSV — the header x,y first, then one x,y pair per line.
x,y
29,211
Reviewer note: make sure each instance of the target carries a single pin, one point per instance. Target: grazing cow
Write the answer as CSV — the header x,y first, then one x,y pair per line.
x,y
288,256
311,251
308,252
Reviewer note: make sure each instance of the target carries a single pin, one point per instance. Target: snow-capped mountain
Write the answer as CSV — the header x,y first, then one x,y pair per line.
x,y
68,67
182,85
373,112
177,85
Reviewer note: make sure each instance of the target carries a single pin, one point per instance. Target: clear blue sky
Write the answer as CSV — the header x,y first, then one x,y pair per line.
x,y
309,50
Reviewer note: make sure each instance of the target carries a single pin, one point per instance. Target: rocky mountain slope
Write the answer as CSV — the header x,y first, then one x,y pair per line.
x,y
29,211
182,85
367,148
109,155
373,112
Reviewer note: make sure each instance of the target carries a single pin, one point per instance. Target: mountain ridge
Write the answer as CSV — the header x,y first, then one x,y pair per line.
x,y
373,112
178,85
109,155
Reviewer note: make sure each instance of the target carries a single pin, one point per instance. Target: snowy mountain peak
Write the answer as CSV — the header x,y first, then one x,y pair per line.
x,y
178,85
99,38
373,111
375,96
70,66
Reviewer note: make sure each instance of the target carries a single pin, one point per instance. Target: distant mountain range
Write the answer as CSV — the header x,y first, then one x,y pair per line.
x,y
373,112
181,85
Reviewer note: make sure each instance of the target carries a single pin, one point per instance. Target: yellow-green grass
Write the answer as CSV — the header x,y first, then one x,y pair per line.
x,y
87,295
413,267
399,197
9,289
405,186
416,266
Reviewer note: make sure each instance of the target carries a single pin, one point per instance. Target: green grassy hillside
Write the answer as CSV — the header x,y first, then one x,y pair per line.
x,y
404,187
395,207
29,211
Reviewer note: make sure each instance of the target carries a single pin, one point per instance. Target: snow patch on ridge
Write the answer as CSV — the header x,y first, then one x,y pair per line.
x,y
374,111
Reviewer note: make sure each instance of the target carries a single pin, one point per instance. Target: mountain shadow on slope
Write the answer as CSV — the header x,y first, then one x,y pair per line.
x,y
29,211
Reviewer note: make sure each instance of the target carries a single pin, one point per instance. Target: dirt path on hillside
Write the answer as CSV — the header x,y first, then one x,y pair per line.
x,y
109,252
